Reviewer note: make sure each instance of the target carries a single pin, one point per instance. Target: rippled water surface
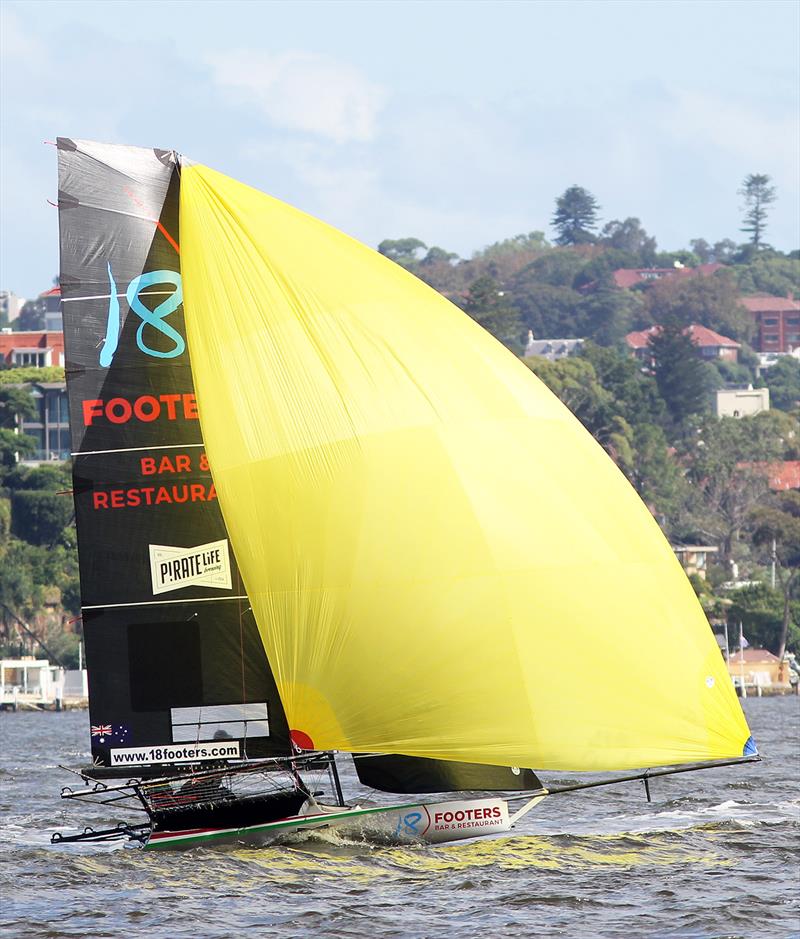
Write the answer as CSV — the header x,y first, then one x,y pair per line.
x,y
714,855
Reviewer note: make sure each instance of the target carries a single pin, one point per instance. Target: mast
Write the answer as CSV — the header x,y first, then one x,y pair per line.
x,y
177,672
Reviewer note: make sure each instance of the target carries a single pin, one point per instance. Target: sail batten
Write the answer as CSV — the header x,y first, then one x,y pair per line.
x,y
441,561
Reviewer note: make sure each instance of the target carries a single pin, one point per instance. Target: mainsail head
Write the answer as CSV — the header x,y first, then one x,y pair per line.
x,y
442,562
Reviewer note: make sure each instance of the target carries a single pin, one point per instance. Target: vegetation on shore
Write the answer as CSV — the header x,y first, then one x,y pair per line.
x,y
705,480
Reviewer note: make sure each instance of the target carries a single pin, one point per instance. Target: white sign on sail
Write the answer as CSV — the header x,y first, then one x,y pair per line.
x,y
206,565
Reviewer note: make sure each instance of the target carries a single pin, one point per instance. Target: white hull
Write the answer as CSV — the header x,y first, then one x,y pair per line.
x,y
426,823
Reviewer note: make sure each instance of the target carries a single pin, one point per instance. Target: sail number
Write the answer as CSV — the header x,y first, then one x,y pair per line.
x,y
154,319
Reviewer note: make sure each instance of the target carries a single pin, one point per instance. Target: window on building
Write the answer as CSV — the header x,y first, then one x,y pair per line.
x,y
52,407
770,321
38,435
22,357
58,443
38,418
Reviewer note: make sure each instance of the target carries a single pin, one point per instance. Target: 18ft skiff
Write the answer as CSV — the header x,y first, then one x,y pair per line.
x,y
320,509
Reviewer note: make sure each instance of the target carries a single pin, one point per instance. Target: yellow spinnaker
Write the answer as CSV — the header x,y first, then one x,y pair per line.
x,y
441,560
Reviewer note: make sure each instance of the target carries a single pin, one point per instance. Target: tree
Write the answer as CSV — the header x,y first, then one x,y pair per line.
x,y
635,394
758,196
776,530
769,272
629,235
712,301
759,610
490,307
608,314
681,377
550,312
402,251
658,476
31,316
530,242
728,463
599,271
438,255
574,381
559,268
575,217
783,381
14,401
39,517
702,249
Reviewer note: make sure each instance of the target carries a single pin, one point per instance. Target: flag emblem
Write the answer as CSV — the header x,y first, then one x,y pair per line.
x,y
101,730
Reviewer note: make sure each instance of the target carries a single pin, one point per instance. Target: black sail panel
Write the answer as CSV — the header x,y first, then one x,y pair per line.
x,y
410,774
177,670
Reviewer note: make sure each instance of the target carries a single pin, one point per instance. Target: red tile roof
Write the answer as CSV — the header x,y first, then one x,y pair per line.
x,y
701,335
752,655
627,277
770,304
32,339
782,475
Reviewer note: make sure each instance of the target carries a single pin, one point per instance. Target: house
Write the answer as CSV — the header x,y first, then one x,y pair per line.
x,y
741,402
47,306
694,558
29,681
782,475
49,426
552,349
627,277
778,322
35,683
10,305
757,668
710,345
35,347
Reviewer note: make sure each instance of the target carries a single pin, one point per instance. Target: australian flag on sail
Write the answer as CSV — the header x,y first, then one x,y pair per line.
x,y
112,733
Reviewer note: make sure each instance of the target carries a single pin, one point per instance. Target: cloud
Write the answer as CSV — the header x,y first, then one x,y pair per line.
x,y
303,91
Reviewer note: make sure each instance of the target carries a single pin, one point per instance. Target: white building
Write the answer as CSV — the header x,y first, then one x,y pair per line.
x,y
29,681
10,305
741,402
552,349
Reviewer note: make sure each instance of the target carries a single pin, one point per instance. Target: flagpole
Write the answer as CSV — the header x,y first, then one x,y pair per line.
x,y
741,660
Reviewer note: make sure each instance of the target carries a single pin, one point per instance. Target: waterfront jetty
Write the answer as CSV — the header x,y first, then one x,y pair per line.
x,y
34,684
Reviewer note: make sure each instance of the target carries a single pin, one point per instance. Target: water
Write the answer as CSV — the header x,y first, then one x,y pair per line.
x,y
714,855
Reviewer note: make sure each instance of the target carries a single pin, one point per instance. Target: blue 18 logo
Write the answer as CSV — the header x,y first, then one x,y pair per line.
x,y
153,318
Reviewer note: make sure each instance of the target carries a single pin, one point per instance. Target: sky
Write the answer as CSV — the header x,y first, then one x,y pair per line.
x,y
455,122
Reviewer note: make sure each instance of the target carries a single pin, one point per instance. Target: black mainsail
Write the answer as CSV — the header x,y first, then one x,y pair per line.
x,y
177,671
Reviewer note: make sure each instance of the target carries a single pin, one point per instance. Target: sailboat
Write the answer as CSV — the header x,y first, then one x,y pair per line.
x,y
321,512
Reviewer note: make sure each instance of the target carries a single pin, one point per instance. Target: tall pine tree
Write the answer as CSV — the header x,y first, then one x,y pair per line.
x,y
680,375
758,196
575,217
